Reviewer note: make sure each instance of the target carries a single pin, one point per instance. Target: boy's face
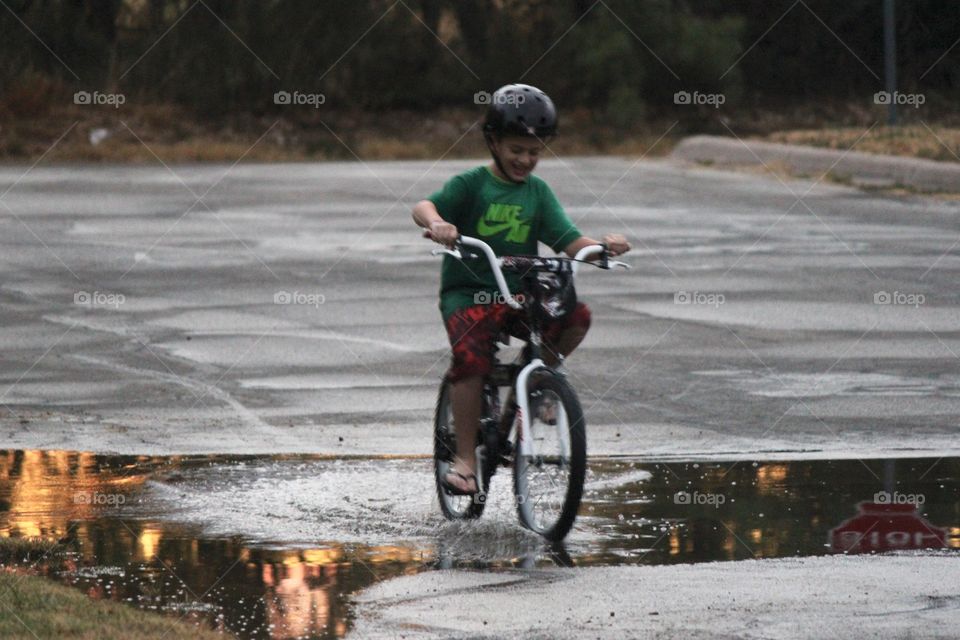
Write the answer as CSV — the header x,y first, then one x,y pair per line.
x,y
518,155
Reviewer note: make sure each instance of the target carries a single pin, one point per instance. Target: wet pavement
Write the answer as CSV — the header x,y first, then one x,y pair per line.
x,y
768,329
275,547
293,310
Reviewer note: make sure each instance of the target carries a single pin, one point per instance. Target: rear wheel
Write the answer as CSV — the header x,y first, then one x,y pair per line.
x,y
548,480
444,452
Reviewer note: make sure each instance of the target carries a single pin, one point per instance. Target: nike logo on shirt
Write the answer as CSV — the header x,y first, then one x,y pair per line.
x,y
500,217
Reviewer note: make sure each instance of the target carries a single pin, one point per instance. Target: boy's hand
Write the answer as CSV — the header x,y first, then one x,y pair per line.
x,y
443,233
616,244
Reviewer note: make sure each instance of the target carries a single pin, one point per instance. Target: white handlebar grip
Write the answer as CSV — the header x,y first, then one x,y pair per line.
x,y
590,249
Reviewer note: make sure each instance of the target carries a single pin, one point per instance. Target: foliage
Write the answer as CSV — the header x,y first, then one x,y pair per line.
x,y
622,59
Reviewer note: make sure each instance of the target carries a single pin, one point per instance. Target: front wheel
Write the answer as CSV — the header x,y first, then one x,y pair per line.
x,y
548,480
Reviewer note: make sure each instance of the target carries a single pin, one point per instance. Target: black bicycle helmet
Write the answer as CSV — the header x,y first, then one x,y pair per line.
x,y
520,110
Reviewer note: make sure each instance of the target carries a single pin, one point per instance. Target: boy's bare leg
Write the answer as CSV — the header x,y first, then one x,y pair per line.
x,y
569,340
466,397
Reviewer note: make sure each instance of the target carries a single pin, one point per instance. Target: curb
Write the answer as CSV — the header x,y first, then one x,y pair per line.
x,y
861,168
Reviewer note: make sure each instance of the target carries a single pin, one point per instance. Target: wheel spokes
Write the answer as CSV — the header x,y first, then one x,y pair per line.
x,y
547,471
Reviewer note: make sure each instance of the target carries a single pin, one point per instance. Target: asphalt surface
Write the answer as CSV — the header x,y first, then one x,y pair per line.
x,y
810,598
749,325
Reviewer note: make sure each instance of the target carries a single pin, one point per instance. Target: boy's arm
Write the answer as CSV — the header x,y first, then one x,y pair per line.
x,y
616,244
425,214
558,226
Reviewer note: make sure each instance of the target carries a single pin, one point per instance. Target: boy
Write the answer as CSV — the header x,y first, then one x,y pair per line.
x,y
506,206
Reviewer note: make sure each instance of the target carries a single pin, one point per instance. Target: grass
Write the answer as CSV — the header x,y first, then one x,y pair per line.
x,y
32,607
48,124
918,141
149,134
28,550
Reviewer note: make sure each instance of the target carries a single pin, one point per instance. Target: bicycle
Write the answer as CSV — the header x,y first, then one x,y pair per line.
x,y
541,431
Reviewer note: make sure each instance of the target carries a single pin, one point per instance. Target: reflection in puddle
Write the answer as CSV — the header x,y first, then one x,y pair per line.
x,y
273,547
690,512
91,505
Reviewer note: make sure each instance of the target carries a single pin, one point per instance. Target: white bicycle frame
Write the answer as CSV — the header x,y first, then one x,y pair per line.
x,y
524,443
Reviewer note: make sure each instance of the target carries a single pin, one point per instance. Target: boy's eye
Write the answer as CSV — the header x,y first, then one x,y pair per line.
x,y
516,150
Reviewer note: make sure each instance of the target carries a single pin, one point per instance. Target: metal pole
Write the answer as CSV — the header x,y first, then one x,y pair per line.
x,y
890,476
890,59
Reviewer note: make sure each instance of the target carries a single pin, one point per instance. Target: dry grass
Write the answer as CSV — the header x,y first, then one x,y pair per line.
x,y
150,133
31,121
935,143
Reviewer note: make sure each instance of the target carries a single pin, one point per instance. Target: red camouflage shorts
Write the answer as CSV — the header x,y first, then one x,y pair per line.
x,y
473,332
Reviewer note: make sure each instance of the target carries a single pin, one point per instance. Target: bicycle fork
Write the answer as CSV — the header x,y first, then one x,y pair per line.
x,y
524,434
488,451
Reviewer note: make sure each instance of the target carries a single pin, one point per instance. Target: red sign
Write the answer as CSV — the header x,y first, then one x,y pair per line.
x,y
886,527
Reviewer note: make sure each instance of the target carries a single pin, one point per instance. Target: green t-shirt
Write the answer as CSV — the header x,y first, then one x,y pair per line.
x,y
510,217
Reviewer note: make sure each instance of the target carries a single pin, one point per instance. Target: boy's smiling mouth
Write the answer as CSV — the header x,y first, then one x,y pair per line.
x,y
520,171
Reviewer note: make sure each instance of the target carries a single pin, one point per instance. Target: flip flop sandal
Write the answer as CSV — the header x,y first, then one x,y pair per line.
x,y
547,412
455,490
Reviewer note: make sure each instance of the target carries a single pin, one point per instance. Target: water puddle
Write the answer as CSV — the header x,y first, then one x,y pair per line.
x,y
702,512
273,547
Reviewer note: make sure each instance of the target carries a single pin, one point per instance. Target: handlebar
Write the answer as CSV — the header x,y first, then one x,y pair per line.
x,y
496,263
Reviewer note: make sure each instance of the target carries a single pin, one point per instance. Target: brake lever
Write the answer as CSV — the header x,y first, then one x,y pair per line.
x,y
456,252
604,256
607,263
453,252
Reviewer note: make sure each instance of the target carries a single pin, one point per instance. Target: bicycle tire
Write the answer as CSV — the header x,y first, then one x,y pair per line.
x,y
566,503
444,449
